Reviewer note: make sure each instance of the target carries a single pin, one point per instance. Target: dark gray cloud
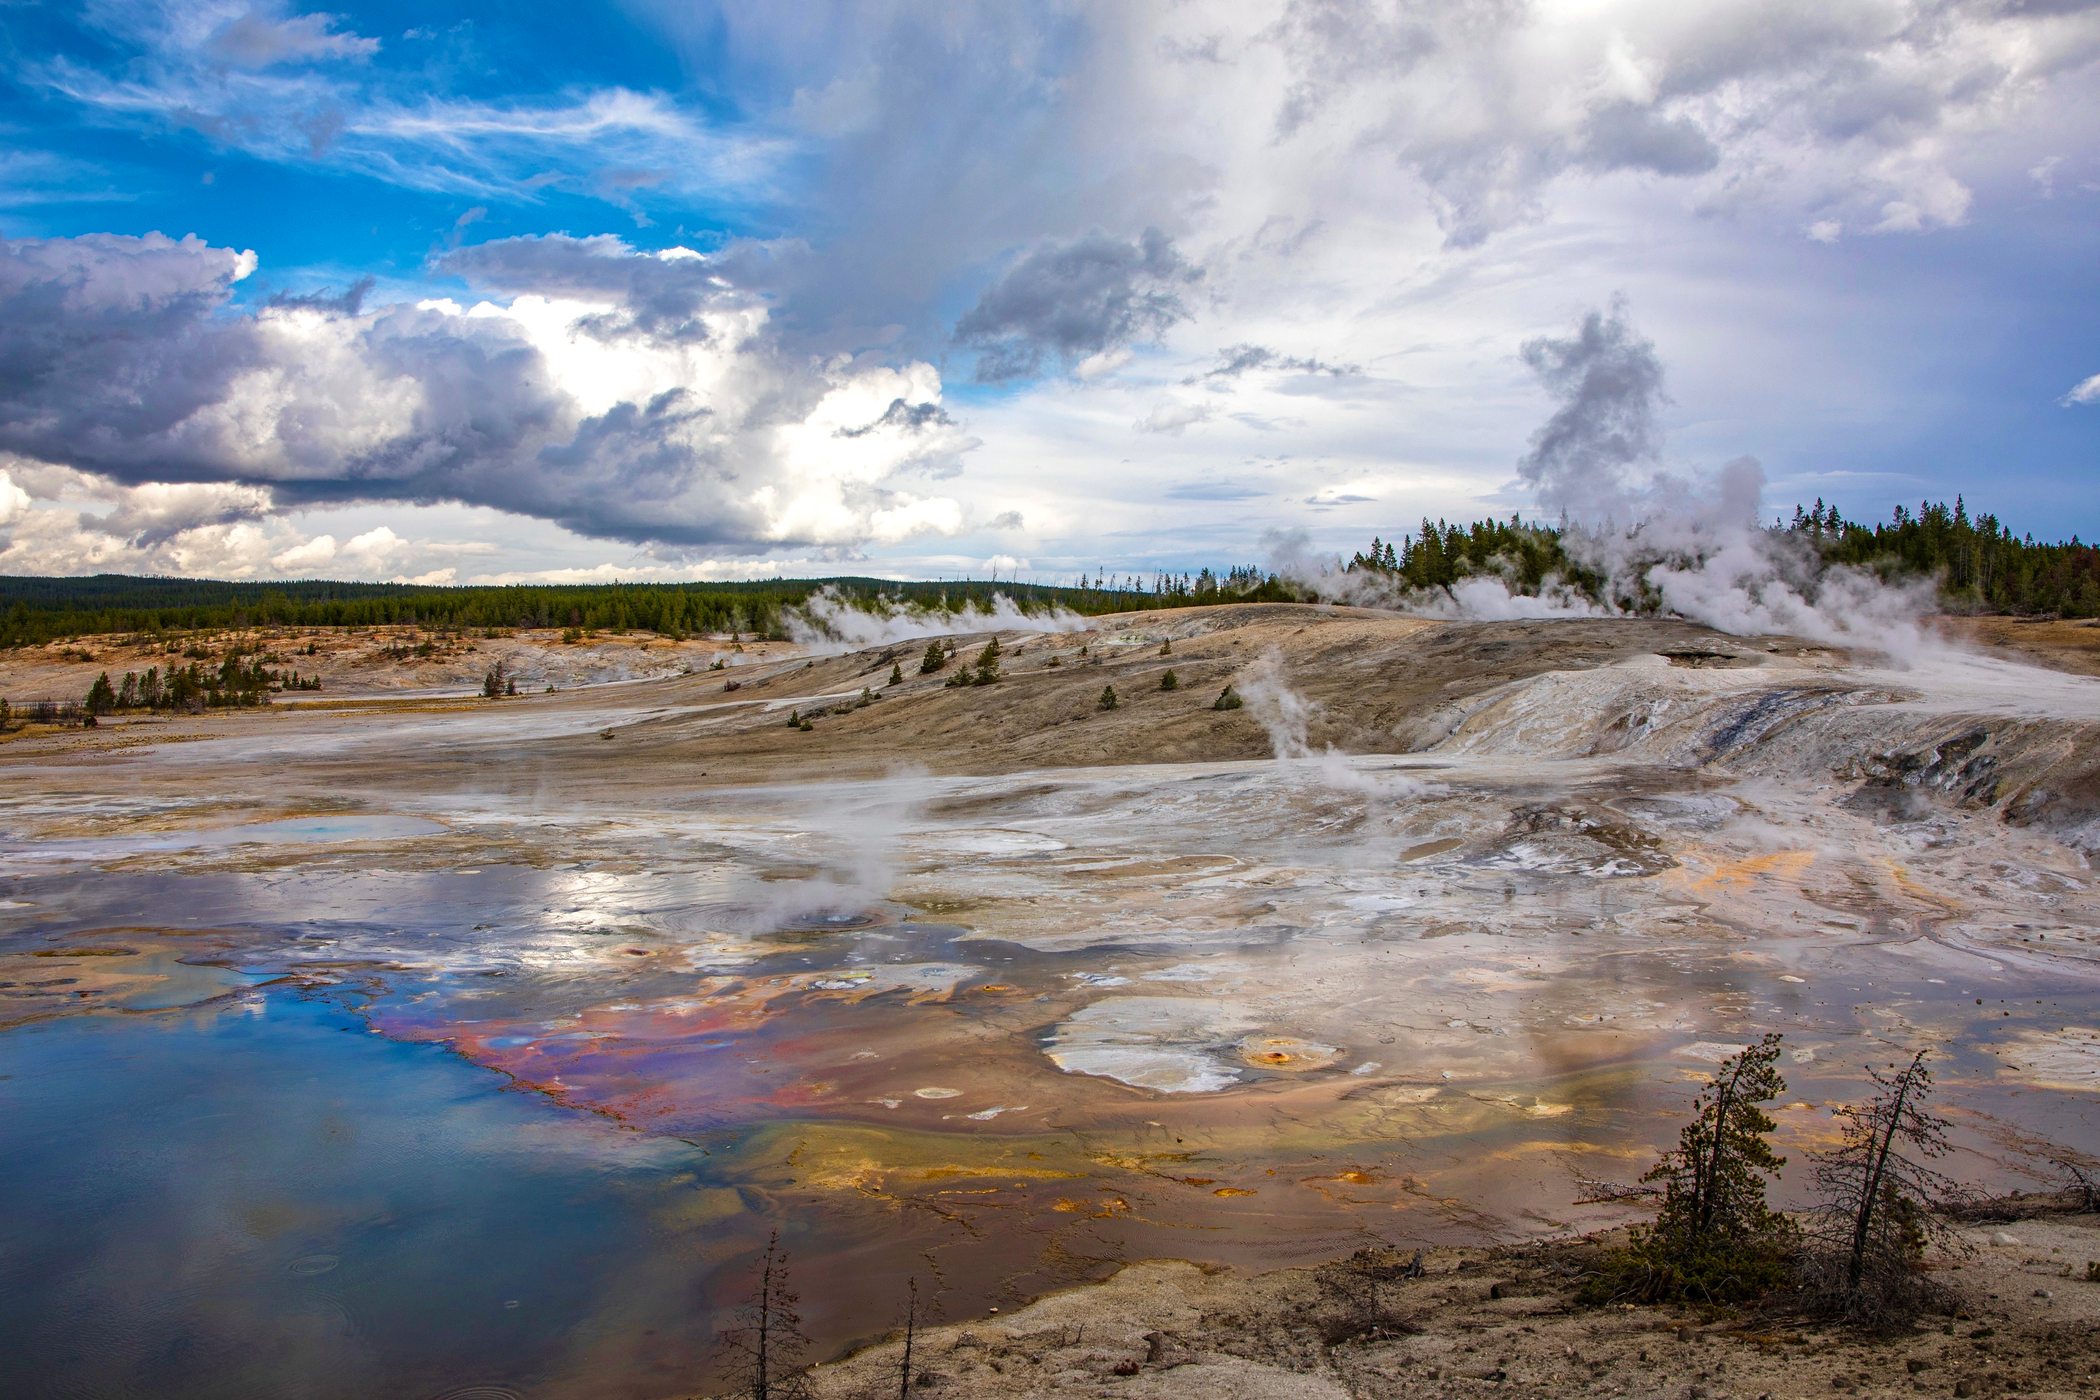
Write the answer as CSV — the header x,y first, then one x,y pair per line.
x,y
1236,360
349,301
1627,137
123,357
107,342
665,297
1609,384
1066,301
910,417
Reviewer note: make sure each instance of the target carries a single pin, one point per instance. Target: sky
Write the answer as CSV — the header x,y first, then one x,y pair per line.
x,y
673,290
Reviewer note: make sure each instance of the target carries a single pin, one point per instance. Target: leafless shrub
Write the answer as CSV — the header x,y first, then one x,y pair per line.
x,y
765,1345
1881,1207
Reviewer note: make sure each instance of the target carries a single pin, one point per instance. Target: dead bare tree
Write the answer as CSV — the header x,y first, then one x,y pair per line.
x,y
1879,1204
911,1327
767,1341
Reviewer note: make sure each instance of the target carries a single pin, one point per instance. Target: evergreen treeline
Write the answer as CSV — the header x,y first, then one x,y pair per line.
x,y
1981,564
235,683
1443,553
37,610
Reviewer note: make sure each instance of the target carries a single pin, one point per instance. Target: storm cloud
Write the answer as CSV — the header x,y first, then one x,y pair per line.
x,y
660,296
1066,301
620,394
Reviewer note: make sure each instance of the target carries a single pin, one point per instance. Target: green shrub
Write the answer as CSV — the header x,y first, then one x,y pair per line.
x,y
1228,699
1170,681
1108,699
1714,1239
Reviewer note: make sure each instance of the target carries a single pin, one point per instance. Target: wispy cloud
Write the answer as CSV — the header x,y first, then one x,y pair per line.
x,y
303,89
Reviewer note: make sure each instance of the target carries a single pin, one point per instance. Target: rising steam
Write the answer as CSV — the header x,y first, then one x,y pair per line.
x,y
1691,546
854,839
829,622
1287,716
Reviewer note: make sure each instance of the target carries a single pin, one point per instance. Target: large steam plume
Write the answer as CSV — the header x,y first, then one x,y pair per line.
x,y
1688,545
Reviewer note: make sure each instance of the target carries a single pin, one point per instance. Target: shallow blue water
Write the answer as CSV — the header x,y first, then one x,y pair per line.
x,y
262,1198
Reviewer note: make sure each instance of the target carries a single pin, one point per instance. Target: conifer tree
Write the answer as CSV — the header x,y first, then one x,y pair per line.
x,y
896,675
934,659
1108,699
1170,681
101,697
1714,1239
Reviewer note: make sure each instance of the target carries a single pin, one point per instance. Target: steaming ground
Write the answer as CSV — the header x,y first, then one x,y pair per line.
x,y
994,987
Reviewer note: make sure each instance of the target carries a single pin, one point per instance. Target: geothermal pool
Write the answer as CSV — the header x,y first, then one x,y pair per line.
x,y
466,1089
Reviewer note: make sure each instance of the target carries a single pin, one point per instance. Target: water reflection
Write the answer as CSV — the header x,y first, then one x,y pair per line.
x,y
1027,1031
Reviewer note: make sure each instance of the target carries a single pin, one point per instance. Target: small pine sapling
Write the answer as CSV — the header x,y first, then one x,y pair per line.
x,y
1108,699
1170,681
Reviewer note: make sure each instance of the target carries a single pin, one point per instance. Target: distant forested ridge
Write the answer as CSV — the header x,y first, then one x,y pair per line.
x,y
37,610
1981,565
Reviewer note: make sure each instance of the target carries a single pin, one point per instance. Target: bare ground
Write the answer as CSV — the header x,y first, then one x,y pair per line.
x,y
1501,1322
2063,644
376,661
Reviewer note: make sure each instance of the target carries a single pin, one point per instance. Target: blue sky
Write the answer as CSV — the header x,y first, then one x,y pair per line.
x,y
661,290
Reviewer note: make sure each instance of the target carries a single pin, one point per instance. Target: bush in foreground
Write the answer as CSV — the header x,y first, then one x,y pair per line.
x,y
1714,1238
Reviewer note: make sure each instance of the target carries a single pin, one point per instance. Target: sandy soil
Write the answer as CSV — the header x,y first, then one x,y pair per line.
x,y
2062,644
1501,1322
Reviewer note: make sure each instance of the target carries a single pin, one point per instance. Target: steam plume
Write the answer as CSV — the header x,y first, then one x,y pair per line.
x,y
1687,545
829,622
